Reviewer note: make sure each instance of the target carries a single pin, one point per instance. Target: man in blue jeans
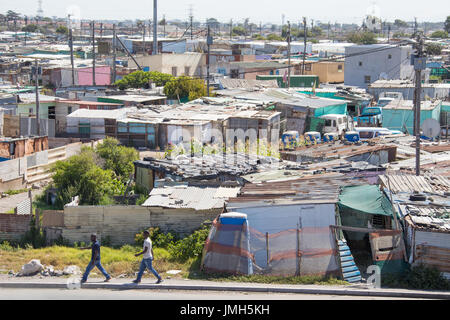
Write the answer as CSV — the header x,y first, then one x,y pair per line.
x,y
95,260
147,261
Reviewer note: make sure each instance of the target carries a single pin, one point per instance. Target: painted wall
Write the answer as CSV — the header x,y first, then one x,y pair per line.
x,y
394,62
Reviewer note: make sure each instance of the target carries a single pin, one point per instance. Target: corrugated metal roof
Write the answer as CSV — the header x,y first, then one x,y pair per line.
x,y
411,183
198,198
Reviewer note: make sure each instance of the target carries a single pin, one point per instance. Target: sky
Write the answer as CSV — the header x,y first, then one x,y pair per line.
x,y
266,11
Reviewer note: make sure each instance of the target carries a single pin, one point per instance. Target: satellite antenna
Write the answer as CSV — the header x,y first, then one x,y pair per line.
x,y
431,128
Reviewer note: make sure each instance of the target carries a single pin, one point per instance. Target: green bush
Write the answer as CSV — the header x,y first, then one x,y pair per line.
x,y
158,238
420,278
7,246
33,238
189,247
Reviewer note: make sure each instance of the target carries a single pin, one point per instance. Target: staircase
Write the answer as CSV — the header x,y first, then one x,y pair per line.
x,y
350,271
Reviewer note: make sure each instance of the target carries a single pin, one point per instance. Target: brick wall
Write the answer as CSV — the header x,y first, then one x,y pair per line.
x,y
121,223
13,227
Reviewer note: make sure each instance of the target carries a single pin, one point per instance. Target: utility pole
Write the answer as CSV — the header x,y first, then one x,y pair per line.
x,y
143,37
289,53
415,27
231,29
114,53
260,28
36,74
164,26
209,42
155,27
191,19
93,53
419,65
328,32
101,30
304,47
71,51
389,32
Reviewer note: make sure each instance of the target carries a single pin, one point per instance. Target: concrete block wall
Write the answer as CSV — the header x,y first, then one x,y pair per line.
x,y
121,223
13,226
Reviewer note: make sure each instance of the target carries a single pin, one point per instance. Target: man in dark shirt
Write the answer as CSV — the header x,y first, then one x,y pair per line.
x,y
95,260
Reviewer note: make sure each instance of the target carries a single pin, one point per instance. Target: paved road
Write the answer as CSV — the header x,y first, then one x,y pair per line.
x,y
93,294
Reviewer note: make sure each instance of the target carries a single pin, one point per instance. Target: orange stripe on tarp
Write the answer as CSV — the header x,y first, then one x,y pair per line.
x,y
389,256
291,254
385,233
230,250
307,230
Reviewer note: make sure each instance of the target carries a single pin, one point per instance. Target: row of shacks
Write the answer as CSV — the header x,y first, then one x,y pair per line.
x,y
158,126
332,216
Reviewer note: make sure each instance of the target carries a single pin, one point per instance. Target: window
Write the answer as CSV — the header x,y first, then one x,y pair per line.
x,y
308,67
339,67
340,121
235,74
360,63
366,79
187,71
69,110
174,71
334,123
390,56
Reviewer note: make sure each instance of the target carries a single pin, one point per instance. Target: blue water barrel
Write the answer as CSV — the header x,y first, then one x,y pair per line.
x,y
352,136
313,136
331,136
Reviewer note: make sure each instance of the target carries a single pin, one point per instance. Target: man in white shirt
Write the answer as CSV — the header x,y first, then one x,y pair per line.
x,y
147,261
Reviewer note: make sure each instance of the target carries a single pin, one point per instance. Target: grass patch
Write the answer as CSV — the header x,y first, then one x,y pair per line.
x,y
196,274
14,192
116,261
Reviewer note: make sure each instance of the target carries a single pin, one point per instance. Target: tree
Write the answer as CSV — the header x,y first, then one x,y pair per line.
x,y
362,37
447,24
433,49
142,79
185,87
239,31
441,34
62,30
81,176
274,37
400,23
117,158
30,28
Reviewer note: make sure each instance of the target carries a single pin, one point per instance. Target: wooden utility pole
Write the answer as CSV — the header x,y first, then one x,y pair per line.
x,y
155,27
143,37
209,42
71,51
289,53
93,53
114,53
36,73
419,65
231,29
304,47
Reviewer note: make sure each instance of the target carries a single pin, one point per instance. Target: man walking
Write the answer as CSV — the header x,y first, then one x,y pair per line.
x,y
147,261
95,260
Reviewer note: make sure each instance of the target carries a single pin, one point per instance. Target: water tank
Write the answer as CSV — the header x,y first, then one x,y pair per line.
x,y
352,136
330,136
313,136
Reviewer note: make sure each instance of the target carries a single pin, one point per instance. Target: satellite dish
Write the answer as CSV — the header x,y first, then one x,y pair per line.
x,y
383,76
431,128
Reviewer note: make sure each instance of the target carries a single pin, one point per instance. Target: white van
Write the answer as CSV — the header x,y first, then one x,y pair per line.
x,y
366,133
337,123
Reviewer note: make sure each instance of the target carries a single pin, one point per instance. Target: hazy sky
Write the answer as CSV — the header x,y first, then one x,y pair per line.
x,y
349,11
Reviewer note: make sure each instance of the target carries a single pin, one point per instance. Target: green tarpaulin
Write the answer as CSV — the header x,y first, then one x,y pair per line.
x,y
366,199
